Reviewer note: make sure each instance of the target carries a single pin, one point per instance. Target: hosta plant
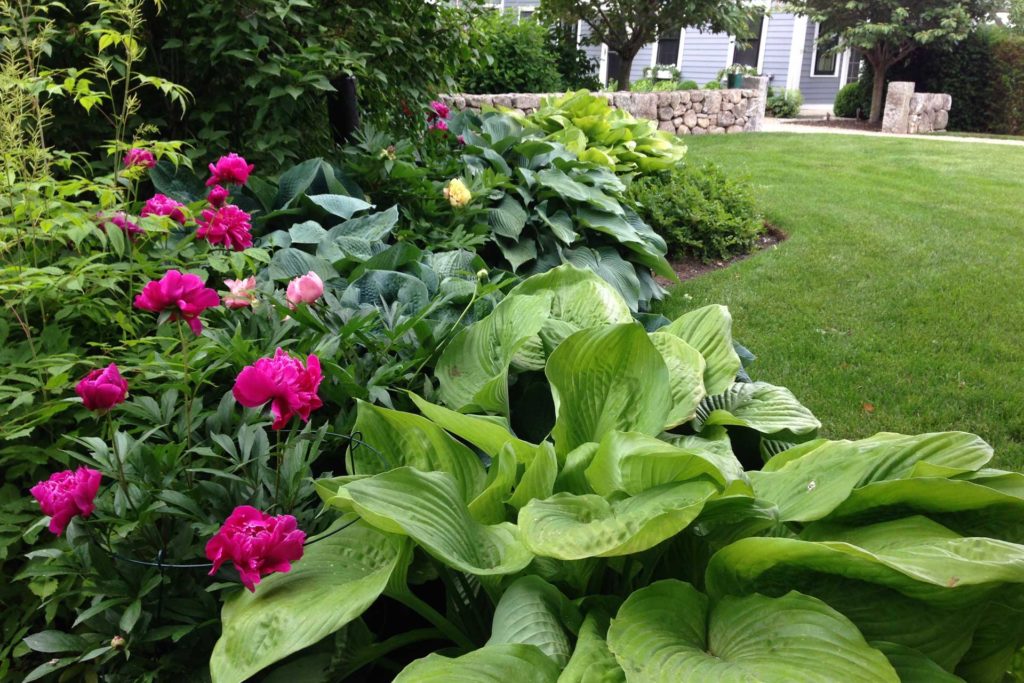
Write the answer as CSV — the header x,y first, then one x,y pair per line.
x,y
591,500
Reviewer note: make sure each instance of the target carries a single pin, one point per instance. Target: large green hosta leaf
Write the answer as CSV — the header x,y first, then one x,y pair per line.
x,y
574,527
578,297
485,433
407,439
491,664
473,370
685,374
762,407
429,507
592,661
666,633
709,330
533,612
914,667
607,378
634,463
336,580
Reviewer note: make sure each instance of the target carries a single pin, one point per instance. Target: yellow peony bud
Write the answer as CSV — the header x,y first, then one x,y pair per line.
x,y
457,193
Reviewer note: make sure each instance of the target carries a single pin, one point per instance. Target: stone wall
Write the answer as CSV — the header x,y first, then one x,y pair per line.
x,y
683,112
910,112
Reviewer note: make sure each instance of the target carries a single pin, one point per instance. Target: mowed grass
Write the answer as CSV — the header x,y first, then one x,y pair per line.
x,y
897,304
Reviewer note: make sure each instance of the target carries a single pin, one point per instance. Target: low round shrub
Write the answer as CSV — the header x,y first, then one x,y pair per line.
x,y
783,104
712,85
849,101
662,86
516,57
689,85
642,85
699,211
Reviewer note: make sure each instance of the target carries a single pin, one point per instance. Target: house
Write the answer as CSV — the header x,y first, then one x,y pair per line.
x,y
782,46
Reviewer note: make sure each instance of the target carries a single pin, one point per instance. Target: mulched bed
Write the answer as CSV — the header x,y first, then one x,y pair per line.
x,y
833,122
689,268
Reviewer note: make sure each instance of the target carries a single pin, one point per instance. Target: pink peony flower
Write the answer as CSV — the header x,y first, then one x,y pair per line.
x,y
66,495
241,293
461,139
227,225
139,157
102,389
120,219
440,109
162,205
439,124
230,170
217,197
183,293
304,289
256,543
284,381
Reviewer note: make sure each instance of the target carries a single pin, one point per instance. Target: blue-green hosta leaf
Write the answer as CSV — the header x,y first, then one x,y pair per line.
x,y
508,218
485,433
457,263
533,612
517,252
177,182
339,205
607,378
633,463
307,232
491,664
912,666
566,187
473,370
915,556
387,288
762,407
709,330
289,263
592,661
407,439
685,376
668,633
574,527
430,509
559,222
372,227
538,478
295,181
811,481
336,580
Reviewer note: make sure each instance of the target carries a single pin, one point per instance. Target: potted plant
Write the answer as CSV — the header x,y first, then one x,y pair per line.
x,y
734,74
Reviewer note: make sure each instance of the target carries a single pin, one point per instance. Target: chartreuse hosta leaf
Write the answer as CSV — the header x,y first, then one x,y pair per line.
x,y
574,527
473,370
592,661
533,612
685,375
538,478
489,506
483,432
429,508
336,580
709,330
412,440
762,407
811,481
668,633
490,664
912,666
633,463
607,378
712,444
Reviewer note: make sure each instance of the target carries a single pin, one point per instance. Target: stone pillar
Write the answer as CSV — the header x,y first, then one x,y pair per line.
x,y
896,118
755,112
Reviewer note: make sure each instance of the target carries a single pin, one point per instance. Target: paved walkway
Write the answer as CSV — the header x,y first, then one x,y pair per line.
x,y
793,126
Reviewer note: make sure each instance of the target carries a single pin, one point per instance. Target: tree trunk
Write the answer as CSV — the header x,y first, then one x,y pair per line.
x,y
625,67
878,89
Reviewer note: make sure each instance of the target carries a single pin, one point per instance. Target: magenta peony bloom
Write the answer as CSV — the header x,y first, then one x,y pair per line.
x,y
102,389
256,543
183,293
284,381
227,225
230,170
439,124
162,205
120,219
241,293
66,495
440,109
139,157
217,197
304,289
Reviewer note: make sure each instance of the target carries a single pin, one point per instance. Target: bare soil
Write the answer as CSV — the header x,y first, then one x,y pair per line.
x,y
688,268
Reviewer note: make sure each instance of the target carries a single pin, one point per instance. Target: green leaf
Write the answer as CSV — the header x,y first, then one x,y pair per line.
x,y
668,633
538,478
55,641
762,407
532,612
578,297
607,378
592,661
574,527
429,508
295,181
489,506
177,182
289,263
611,267
386,288
336,580
491,664
484,433
508,218
685,374
709,330
518,253
912,666
633,463
339,204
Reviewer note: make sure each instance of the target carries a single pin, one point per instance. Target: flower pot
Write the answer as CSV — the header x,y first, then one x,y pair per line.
x,y
734,80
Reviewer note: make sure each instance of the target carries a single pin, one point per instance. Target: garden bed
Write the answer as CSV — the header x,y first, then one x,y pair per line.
x,y
691,267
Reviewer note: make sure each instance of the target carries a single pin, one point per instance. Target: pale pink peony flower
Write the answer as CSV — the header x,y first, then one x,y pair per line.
x,y
285,382
139,157
256,543
230,170
241,293
162,205
228,225
304,289
182,293
218,196
66,495
121,220
102,389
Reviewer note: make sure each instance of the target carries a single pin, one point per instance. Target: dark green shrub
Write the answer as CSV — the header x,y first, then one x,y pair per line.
x,y
783,104
689,85
850,100
515,57
699,211
712,85
1007,104
579,72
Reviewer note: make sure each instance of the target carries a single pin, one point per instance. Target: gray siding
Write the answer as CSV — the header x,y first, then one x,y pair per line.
x,y
777,43
817,89
704,55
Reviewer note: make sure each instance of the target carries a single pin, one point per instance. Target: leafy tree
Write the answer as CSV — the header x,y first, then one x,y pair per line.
x,y
887,31
627,25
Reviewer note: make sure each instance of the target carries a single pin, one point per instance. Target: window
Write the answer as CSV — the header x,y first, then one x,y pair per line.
x,y
668,47
525,14
825,57
748,55
614,62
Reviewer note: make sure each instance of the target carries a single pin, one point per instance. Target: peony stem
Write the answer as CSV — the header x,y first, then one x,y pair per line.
x,y
442,624
122,480
188,396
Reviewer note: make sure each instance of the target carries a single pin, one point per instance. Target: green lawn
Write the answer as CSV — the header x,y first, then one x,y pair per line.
x,y
897,304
